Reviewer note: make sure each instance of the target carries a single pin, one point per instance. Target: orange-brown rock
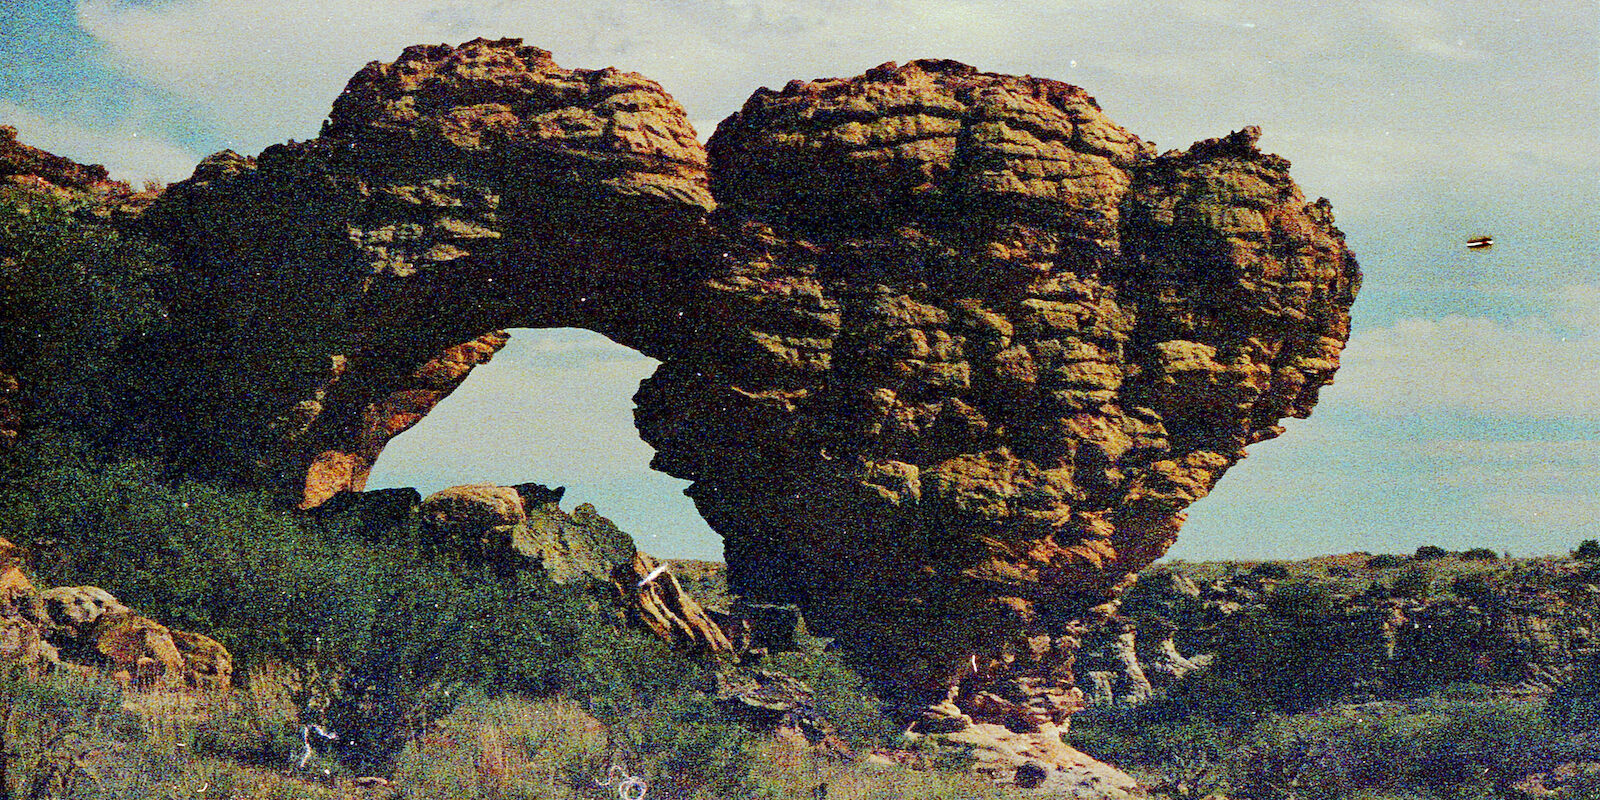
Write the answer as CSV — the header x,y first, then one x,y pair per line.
x,y
472,509
655,600
22,617
945,353
87,629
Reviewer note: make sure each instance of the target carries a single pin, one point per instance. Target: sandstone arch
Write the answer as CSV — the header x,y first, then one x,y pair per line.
x,y
945,353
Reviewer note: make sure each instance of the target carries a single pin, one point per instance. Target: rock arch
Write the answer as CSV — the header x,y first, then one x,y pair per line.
x,y
945,353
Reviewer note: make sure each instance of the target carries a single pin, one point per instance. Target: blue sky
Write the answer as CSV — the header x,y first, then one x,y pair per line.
x,y
1468,410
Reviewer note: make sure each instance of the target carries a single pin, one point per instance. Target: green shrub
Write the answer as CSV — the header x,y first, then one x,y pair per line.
x,y
1270,569
1386,561
240,729
74,297
1430,552
65,735
196,557
507,748
1476,586
1436,748
1415,582
1588,550
1479,554
841,695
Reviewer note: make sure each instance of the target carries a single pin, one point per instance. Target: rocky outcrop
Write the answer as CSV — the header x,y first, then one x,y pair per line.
x,y
945,353
1108,667
86,187
1351,634
651,597
29,166
782,705
87,629
523,527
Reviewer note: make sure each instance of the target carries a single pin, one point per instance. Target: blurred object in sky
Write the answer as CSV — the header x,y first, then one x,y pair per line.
x,y
1480,242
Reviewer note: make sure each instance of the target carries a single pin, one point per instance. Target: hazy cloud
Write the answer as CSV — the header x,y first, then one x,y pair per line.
x,y
1541,367
128,151
1536,484
274,68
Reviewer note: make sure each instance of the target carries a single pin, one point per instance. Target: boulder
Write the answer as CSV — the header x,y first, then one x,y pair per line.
x,y
88,629
480,521
471,509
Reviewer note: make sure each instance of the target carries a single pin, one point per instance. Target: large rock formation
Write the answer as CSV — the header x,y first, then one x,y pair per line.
x,y
946,353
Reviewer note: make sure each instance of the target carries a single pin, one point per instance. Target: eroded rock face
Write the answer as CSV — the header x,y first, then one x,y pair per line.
x,y
10,412
946,353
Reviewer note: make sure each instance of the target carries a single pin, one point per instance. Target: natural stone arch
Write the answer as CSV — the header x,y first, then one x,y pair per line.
x,y
945,353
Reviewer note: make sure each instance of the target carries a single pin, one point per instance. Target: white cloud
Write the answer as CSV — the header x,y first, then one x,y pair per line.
x,y
1573,512
1539,484
275,67
1540,367
127,151
1426,30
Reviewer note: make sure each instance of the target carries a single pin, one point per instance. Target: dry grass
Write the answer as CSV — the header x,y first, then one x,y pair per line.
x,y
507,749
787,769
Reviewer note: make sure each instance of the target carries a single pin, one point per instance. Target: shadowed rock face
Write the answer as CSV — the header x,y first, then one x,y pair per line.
x,y
946,353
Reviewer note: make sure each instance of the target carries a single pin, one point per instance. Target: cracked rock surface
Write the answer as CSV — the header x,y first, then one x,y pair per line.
x,y
945,353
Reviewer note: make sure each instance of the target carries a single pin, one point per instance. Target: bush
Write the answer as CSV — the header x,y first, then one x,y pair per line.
x,y
239,728
1479,554
65,735
1270,569
1385,561
1477,586
74,297
840,694
1588,550
1415,582
196,557
1435,748
510,747
1430,552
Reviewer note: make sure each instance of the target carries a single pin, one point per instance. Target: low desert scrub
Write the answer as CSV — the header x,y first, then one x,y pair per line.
x,y
785,769
1450,746
552,749
220,779
508,749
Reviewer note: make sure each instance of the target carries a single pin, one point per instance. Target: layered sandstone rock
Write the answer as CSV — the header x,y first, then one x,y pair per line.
x,y
523,527
946,353
651,597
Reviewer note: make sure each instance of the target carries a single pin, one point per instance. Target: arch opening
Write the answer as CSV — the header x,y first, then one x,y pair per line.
x,y
554,406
